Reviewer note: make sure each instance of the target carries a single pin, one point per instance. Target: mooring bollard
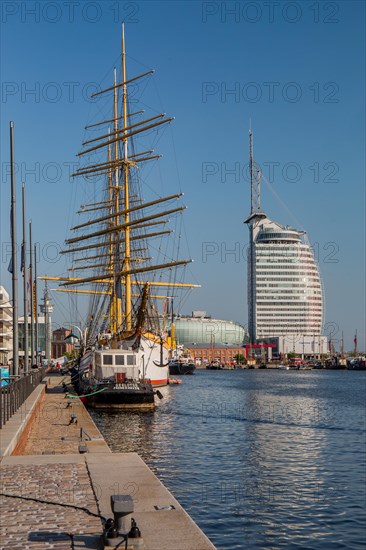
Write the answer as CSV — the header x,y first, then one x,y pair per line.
x,y
122,528
122,508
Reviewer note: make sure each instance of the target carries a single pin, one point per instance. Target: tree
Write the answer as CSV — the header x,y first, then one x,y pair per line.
x,y
239,358
71,354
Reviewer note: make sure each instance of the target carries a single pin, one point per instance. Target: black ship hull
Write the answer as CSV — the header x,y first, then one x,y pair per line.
x,y
122,399
181,369
126,395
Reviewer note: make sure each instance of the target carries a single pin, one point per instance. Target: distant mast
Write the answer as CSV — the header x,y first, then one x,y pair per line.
x,y
25,284
355,351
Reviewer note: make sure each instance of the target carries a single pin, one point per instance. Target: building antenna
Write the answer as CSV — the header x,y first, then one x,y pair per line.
x,y
255,177
251,170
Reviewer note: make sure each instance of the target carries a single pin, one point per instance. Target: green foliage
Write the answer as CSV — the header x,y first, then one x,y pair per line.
x,y
71,354
239,358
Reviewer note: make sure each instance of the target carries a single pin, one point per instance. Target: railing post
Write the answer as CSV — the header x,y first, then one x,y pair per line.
x,y
16,391
1,403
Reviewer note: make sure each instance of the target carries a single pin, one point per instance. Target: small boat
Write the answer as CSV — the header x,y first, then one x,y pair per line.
x,y
181,367
214,366
358,363
174,381
334,365
181,361
283,367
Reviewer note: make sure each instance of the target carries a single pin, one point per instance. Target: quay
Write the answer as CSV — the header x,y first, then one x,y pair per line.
x,y
58,476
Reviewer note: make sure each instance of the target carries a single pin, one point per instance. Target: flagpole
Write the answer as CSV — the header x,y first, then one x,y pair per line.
x,y
30,277
34,298
355,343
25,285
14,256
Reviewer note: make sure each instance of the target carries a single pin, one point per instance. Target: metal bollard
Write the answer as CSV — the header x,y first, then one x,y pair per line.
x,y
134,537
122,508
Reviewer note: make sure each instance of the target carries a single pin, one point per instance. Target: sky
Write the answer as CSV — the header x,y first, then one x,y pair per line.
x,y
295,71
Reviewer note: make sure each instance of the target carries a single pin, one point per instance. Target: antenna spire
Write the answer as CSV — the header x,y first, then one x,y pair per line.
x,y
251,170
255,178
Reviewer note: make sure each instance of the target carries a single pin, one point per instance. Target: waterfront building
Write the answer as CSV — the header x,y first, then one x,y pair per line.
x,y
60,346
287,287
6,324
224,355
203,330
285,295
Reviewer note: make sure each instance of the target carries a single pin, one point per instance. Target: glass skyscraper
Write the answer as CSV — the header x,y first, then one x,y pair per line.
x,y
286,286
285,297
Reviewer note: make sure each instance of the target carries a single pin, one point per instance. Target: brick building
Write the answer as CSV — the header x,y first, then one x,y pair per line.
x,y
225,355
59,346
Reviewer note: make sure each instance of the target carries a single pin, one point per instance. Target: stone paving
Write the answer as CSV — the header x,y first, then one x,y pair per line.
x,y
33,525
52,431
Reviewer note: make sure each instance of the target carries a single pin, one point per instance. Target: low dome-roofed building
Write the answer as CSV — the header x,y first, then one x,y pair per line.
x,y
208,331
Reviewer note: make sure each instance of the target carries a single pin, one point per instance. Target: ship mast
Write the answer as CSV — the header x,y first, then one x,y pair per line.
x,y
113,305
115,313
128,305
122,222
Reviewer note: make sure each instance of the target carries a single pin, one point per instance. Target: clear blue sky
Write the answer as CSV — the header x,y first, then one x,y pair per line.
x,y
297,70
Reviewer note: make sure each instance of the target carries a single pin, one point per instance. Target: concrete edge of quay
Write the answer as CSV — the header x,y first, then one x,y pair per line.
x,y
164,523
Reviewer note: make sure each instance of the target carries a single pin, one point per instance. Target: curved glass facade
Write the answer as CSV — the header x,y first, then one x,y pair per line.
x,y
190,330
287,288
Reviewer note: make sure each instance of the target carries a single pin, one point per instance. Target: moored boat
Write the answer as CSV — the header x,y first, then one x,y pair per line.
x,y
181,362
358,363
181,367
110,379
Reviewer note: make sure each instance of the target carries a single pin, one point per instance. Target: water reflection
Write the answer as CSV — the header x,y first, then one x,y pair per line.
x,y
259,459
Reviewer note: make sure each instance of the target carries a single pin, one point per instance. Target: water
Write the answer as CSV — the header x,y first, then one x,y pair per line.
x,y
259,459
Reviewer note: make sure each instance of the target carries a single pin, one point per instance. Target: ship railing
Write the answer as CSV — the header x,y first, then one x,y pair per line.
x,y
15,390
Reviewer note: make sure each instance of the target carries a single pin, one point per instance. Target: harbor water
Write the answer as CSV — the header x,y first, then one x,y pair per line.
x,y
259,459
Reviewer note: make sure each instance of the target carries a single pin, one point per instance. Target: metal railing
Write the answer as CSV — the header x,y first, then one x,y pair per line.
x,y
16,391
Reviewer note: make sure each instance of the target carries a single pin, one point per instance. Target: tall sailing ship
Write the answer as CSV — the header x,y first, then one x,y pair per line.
x,y
125,351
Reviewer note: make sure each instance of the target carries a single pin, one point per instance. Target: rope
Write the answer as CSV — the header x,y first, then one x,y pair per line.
x,y
41,501
68,396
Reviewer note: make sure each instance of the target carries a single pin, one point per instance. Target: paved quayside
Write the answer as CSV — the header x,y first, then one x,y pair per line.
x,y
52,451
